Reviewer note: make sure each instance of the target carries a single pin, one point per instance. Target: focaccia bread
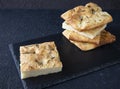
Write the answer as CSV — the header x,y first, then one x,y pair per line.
x,y
84,46
39,59
86,17
80,38
87,33
105,38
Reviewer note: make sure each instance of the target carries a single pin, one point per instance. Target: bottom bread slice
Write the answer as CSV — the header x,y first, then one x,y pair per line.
x,y
84,46
39,59
106,38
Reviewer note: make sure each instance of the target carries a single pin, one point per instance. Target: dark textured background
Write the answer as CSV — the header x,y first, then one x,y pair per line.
x,y
56,4
21,25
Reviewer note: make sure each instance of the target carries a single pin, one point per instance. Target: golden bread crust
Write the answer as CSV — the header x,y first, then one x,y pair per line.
x,y
86,17
39,56
105,38
84,46
80,38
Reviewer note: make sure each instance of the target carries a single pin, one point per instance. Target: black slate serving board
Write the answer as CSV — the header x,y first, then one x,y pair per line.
x,y
76,62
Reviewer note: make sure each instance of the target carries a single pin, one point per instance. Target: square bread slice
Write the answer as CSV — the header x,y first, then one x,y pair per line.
x,y
105,38
86,17
39,59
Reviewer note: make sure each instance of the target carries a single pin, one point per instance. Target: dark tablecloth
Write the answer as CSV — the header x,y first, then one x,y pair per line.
x,y
56,4
21,25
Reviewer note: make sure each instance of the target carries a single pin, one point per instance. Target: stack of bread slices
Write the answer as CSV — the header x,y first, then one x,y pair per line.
x,y
85,26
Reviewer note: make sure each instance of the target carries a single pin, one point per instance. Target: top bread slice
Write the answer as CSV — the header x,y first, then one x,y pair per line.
x,y
86,17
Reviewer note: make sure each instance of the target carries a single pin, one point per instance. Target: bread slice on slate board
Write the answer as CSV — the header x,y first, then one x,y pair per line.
x,y
105,38
86,17
39,59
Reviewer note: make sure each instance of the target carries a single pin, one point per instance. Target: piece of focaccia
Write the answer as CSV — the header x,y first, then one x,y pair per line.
x,y
80,38
86,17
106,38
39,59
87,33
